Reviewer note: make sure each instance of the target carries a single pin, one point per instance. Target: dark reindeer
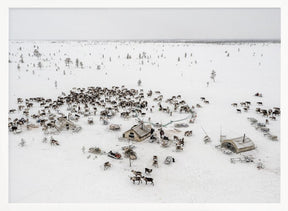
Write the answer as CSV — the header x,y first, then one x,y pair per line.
x,y
136,179
107,165
148,179
148,171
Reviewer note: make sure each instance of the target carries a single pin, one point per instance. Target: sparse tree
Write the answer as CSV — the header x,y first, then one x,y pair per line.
x,y
40,65
21,59
68,61
77,62
22,142
213,75
36,53
139,82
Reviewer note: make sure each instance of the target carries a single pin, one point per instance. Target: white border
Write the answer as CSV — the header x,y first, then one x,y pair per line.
x,y
4,23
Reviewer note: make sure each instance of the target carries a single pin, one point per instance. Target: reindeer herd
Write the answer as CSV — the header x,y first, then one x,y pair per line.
x,y
68,108
270,113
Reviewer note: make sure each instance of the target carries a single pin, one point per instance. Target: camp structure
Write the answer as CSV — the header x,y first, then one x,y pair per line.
x,y
64,123
237,145
138,132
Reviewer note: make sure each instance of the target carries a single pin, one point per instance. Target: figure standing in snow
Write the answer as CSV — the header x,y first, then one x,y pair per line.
x,y
83,149
207,83
55,83
161,133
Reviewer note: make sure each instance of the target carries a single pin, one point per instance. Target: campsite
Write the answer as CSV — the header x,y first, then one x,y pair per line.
x,y
93,121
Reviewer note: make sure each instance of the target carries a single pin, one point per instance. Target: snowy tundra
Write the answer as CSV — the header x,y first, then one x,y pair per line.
x,y
39,172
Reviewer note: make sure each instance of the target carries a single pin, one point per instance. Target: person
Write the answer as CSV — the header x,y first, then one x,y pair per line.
x,y
161,133
207,83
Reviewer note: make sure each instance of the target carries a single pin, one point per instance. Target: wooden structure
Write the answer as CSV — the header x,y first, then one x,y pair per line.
x,y
138,132
238,145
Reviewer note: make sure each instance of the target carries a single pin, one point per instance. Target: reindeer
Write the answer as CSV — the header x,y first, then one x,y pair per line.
x,y
148,179
12,111
155,161
234,104
137,173
176,138
181,142
54,142
107,165
179,148
148,171
136,179
188,133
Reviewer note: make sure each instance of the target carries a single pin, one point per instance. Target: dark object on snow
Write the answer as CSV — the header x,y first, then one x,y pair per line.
x,y
107,165
114,155
148,171
169,159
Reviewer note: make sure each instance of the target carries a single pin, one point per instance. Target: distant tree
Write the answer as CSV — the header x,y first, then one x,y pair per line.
x,y
68,61
77,62
213,75
40,65
21,59
22,142
36,53
128,56
139,82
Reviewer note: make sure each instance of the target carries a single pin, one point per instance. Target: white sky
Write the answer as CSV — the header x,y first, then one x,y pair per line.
x,y
93,24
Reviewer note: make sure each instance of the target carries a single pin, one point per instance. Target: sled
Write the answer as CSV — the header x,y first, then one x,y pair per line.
x,y
181,125
168,160
114,155
77,129
95,150
114,127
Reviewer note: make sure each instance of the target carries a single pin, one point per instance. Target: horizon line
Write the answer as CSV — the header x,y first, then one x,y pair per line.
x,y
162,40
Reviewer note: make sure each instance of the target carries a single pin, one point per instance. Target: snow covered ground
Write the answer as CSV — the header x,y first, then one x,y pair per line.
x,y
39,172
